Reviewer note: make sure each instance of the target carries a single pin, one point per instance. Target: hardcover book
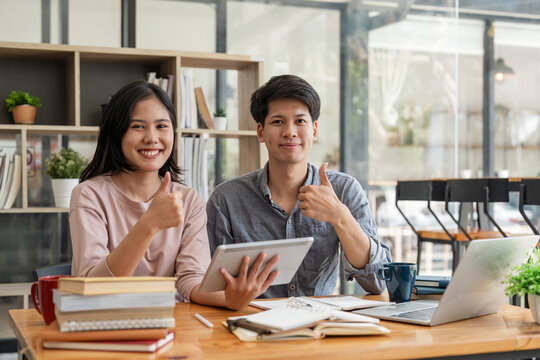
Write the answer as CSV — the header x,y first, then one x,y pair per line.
x,y
202,109
432,280
115,285
52,332
427,290
112,345
67,302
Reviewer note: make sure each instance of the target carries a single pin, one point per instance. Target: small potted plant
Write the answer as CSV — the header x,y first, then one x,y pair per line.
x,y
525,280
22,106
64,168
220,118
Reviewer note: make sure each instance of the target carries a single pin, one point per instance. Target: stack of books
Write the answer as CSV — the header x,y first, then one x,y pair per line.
x,y
105,313
430,286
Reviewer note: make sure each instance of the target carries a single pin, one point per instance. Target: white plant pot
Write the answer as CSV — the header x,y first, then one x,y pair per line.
x,y
534,304
220,123
62,191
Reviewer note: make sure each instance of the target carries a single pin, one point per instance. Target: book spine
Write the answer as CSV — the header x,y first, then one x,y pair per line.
x,y
91,325
426,290
434,284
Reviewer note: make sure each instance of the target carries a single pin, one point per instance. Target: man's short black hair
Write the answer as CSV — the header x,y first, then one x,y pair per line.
x,y
284,87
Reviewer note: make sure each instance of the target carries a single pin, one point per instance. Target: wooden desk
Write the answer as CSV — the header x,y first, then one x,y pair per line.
x,y
511,332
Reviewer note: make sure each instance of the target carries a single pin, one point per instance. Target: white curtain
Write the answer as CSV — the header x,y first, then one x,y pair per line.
x,y
392,66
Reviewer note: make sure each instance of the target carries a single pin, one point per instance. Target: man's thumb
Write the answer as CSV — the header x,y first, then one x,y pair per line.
x,y
322,175
164,187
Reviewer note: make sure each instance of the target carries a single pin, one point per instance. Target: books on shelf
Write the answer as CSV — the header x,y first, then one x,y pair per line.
x,y
6,179
112,345
3,177
344,303
432,281
116,285
165,83
15,181
203,115
195,163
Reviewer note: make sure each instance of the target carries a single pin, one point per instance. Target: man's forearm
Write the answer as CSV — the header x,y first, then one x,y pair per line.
x,y
355,242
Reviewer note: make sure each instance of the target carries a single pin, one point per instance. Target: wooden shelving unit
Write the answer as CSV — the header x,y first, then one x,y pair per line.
x,y
73,82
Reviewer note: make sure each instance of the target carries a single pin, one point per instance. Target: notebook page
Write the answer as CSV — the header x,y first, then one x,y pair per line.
x,y
351,302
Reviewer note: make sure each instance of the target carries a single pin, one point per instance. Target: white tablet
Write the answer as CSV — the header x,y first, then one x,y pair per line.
x,y
291,252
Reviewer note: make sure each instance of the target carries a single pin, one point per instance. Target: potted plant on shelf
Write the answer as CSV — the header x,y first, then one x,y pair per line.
x,y
525,280
64,168
22,106
220,118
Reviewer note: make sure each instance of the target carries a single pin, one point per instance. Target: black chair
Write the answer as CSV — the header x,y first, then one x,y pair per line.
x,y
483,191
529,194
428,191
56,269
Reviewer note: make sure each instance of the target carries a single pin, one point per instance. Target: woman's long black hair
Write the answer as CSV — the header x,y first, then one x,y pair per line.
x,y
109,158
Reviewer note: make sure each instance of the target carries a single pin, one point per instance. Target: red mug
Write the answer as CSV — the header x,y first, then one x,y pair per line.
x,y
44,302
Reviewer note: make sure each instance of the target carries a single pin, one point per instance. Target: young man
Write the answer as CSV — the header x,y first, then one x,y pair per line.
x,y
291,198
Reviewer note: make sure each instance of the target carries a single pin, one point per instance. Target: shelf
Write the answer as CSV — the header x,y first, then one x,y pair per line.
x,y
219,133
33,210
73,82
50,129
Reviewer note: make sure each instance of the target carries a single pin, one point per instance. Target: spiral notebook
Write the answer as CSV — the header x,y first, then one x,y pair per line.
x,y
91,325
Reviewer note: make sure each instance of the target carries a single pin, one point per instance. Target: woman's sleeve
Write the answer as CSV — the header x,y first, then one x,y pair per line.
x,y
89,236
194,256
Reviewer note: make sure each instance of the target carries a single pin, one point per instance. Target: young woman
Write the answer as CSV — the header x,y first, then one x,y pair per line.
x,y
131,216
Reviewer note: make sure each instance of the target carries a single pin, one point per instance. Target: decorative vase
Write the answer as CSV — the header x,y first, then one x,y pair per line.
x,y
62,191
24,114
534,304
220,123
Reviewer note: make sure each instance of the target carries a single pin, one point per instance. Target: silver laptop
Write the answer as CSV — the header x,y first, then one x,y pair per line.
x,y
476,287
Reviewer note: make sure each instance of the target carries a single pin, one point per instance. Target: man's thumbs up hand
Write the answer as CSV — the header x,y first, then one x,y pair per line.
x,y
320,202
322,175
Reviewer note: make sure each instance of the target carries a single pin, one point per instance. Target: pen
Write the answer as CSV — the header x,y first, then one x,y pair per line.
x,y
204,321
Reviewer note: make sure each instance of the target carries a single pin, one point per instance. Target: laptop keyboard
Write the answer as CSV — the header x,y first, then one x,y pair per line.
x,y
422,314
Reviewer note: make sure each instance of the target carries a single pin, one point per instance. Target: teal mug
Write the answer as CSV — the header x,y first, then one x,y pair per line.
x,y
399,279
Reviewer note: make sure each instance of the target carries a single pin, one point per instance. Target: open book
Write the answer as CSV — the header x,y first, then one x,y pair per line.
x,y
300,318
338,302
316,332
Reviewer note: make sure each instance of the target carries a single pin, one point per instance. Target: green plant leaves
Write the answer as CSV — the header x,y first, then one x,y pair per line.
x,y
525,279
66,164
21,98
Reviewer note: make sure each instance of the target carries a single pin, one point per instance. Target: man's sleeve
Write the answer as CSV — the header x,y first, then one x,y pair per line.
x,y
218,223
356,200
